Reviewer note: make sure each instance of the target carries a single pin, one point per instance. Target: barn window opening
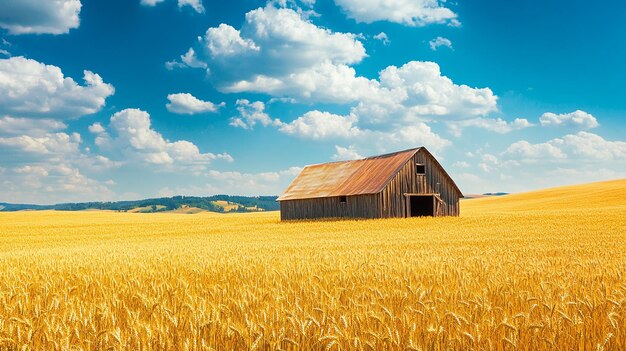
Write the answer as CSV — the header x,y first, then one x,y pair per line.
x,y
420,168
343,199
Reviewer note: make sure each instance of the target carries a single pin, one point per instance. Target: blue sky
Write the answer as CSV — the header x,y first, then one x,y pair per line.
x,y
128,99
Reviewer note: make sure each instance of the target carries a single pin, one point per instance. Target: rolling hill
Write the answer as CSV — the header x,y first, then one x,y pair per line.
x,y
598,195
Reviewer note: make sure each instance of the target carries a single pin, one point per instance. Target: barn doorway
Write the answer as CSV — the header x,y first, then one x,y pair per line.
x,y
421,205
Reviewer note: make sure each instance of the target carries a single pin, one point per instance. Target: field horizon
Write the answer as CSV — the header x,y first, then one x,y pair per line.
x,y
542,270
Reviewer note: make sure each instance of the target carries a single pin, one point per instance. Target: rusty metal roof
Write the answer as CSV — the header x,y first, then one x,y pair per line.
x,y
358,177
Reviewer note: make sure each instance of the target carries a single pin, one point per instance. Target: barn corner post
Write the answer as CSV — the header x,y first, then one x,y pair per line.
x,y
407,183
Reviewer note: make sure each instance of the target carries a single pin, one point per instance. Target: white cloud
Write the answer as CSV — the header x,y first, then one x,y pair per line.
x,y
325,82
39,16
407,12
20,126
577,118
140,143
237,183
5,52
150,2
497,125
194,4
51,183
580,146
524,150
47,145
382,36
279,52
322,125
439,42
251,113
273,28
189,59
573,158
489,163
96,128
417,91
318,125
225,41
185,103
346,153
592,146
461,164
418,134
31,89
51,150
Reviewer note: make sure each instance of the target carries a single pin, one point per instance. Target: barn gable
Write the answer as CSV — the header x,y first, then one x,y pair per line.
x,y
372,187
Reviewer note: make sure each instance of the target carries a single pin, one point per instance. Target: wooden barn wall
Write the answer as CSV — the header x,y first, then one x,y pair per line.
x,y
357,206
407,181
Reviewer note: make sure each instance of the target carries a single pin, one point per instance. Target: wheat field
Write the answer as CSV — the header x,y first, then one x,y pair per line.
x,y
537,271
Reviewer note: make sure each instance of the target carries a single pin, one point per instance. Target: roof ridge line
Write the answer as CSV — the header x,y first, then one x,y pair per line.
x,y
366,158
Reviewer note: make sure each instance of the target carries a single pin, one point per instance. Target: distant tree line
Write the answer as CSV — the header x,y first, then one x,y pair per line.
x,y
266,203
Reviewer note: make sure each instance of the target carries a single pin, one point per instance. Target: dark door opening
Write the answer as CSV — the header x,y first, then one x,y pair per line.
x,y
421,206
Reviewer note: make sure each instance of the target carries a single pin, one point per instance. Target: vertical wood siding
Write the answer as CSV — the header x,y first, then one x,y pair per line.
x,y
406,181
357,206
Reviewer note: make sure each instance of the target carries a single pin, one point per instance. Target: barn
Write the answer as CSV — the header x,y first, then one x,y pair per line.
x,y
407,183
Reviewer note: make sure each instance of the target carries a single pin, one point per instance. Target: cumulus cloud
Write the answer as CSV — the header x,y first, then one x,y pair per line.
x,y
225,41
32,89
524,149
325,82
322,125
417,91
49,150
134,137
578,118
418,134
318,125
497,125
407,12
251,113
188,60
346,153
382,36
39,16
237,183
96,128
262,183
574,158
582,146
45,146
196,5
279,52
27,126
185,103
439,42
51,183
